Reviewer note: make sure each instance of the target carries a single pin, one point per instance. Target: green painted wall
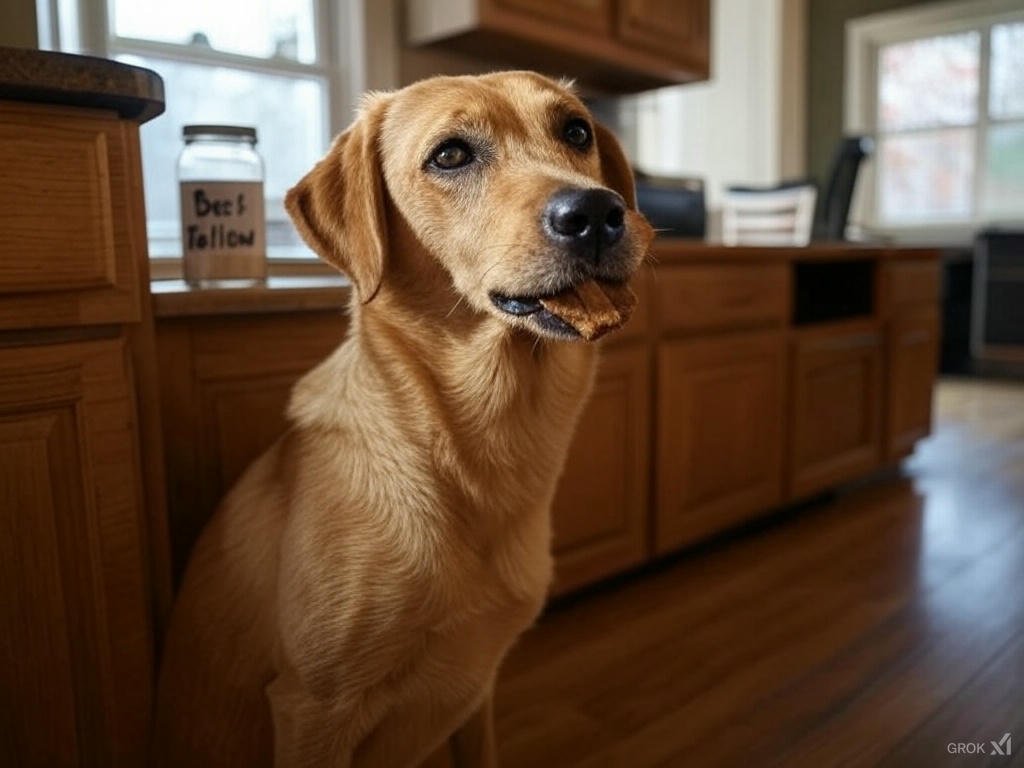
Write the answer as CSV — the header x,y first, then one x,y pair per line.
x,y
18,24
826,39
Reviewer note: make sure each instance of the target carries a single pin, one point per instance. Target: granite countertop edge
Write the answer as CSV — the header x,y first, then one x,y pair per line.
x,y
46,77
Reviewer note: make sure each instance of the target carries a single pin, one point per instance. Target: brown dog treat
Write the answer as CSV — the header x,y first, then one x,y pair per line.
x,y
593,308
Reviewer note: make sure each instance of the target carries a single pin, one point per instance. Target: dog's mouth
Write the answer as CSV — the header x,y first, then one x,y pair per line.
x,y
588,310
531,307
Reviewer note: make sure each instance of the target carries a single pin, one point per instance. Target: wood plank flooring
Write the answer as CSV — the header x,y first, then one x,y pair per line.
x,y
873,629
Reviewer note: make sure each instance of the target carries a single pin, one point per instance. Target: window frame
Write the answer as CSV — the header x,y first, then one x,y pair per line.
x,y
83,26
865,37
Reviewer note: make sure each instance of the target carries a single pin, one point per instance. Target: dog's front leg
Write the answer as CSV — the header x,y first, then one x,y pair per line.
x,y
473,745
409,733
307,734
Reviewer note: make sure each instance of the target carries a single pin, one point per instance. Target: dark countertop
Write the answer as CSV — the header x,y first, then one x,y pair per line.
x,y
44,77
678,250
174,298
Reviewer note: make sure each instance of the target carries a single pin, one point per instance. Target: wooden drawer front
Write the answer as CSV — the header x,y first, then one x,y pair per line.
x,y
701,297
912,283
721,411
66,249
590,15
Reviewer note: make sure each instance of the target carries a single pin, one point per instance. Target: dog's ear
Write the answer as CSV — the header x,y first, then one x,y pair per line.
x,y
338,207
615,167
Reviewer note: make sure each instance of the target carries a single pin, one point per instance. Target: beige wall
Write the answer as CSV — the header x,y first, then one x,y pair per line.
x,y
18,24
746,124
390,64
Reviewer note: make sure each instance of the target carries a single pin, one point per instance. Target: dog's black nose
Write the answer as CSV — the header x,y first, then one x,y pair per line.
x,y
587,220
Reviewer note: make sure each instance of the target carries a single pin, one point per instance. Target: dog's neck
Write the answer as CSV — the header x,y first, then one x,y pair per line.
x,y
491,404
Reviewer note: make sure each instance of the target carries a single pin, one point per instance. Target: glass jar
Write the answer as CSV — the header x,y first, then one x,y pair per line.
x,y
223,221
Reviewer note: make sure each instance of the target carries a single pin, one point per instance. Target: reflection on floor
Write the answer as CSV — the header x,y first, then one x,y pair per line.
x,y
881,628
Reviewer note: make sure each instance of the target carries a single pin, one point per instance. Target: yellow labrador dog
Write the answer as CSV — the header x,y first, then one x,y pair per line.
x,y
350,602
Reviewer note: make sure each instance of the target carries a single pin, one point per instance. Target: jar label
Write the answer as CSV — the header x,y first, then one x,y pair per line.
x,y
223,229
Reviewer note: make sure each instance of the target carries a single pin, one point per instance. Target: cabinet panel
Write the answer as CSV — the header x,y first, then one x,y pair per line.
x,y
719,433
912,282
589,15
75,633
226,385
67,248
702,297
912,348
601,507
836,413
675,28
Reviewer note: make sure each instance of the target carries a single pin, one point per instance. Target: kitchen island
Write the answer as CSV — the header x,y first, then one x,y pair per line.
x,y
747,380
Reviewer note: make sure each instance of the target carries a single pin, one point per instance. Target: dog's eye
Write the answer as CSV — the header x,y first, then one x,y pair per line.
x,y
451,155
577,133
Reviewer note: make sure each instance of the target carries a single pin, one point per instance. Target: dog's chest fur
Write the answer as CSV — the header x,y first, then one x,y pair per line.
x,y
438,525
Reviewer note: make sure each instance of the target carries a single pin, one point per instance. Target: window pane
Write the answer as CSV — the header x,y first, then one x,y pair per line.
x,y
1003,183
288,112
929,82
926,176
262,28
1006,93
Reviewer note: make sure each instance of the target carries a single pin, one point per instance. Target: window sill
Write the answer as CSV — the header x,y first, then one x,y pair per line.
x,y
294,293
169,268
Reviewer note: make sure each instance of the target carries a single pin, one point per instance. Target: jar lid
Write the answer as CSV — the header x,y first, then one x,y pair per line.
x,y
230,131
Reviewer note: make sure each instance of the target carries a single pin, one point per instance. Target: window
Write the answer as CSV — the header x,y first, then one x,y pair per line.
x,y
271,64
942,90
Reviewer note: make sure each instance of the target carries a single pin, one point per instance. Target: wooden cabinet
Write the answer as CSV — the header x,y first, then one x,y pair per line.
x,y
600,512
589,15
912,350
835,428
677,29
721,413
730,296
625,46
223,399
76,663
83,577
67,203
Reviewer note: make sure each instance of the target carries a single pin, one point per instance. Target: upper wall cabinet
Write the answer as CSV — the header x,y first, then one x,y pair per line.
x,y
612,46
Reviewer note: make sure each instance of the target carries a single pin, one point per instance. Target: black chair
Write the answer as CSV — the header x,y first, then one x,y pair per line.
x,y
833,209
833,206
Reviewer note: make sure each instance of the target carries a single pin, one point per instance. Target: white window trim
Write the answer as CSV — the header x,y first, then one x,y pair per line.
x,y
341,63
864,37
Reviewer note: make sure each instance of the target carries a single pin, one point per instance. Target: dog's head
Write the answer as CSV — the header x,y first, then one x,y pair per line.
x,y
505,180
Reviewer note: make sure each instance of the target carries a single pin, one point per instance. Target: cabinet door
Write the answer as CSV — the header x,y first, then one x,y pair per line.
x,y
719,433
679,29
223,397
589,15
912,350
600,508
75,637
836,416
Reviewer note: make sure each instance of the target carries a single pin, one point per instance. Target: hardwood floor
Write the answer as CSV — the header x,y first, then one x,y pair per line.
x,y
873,629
